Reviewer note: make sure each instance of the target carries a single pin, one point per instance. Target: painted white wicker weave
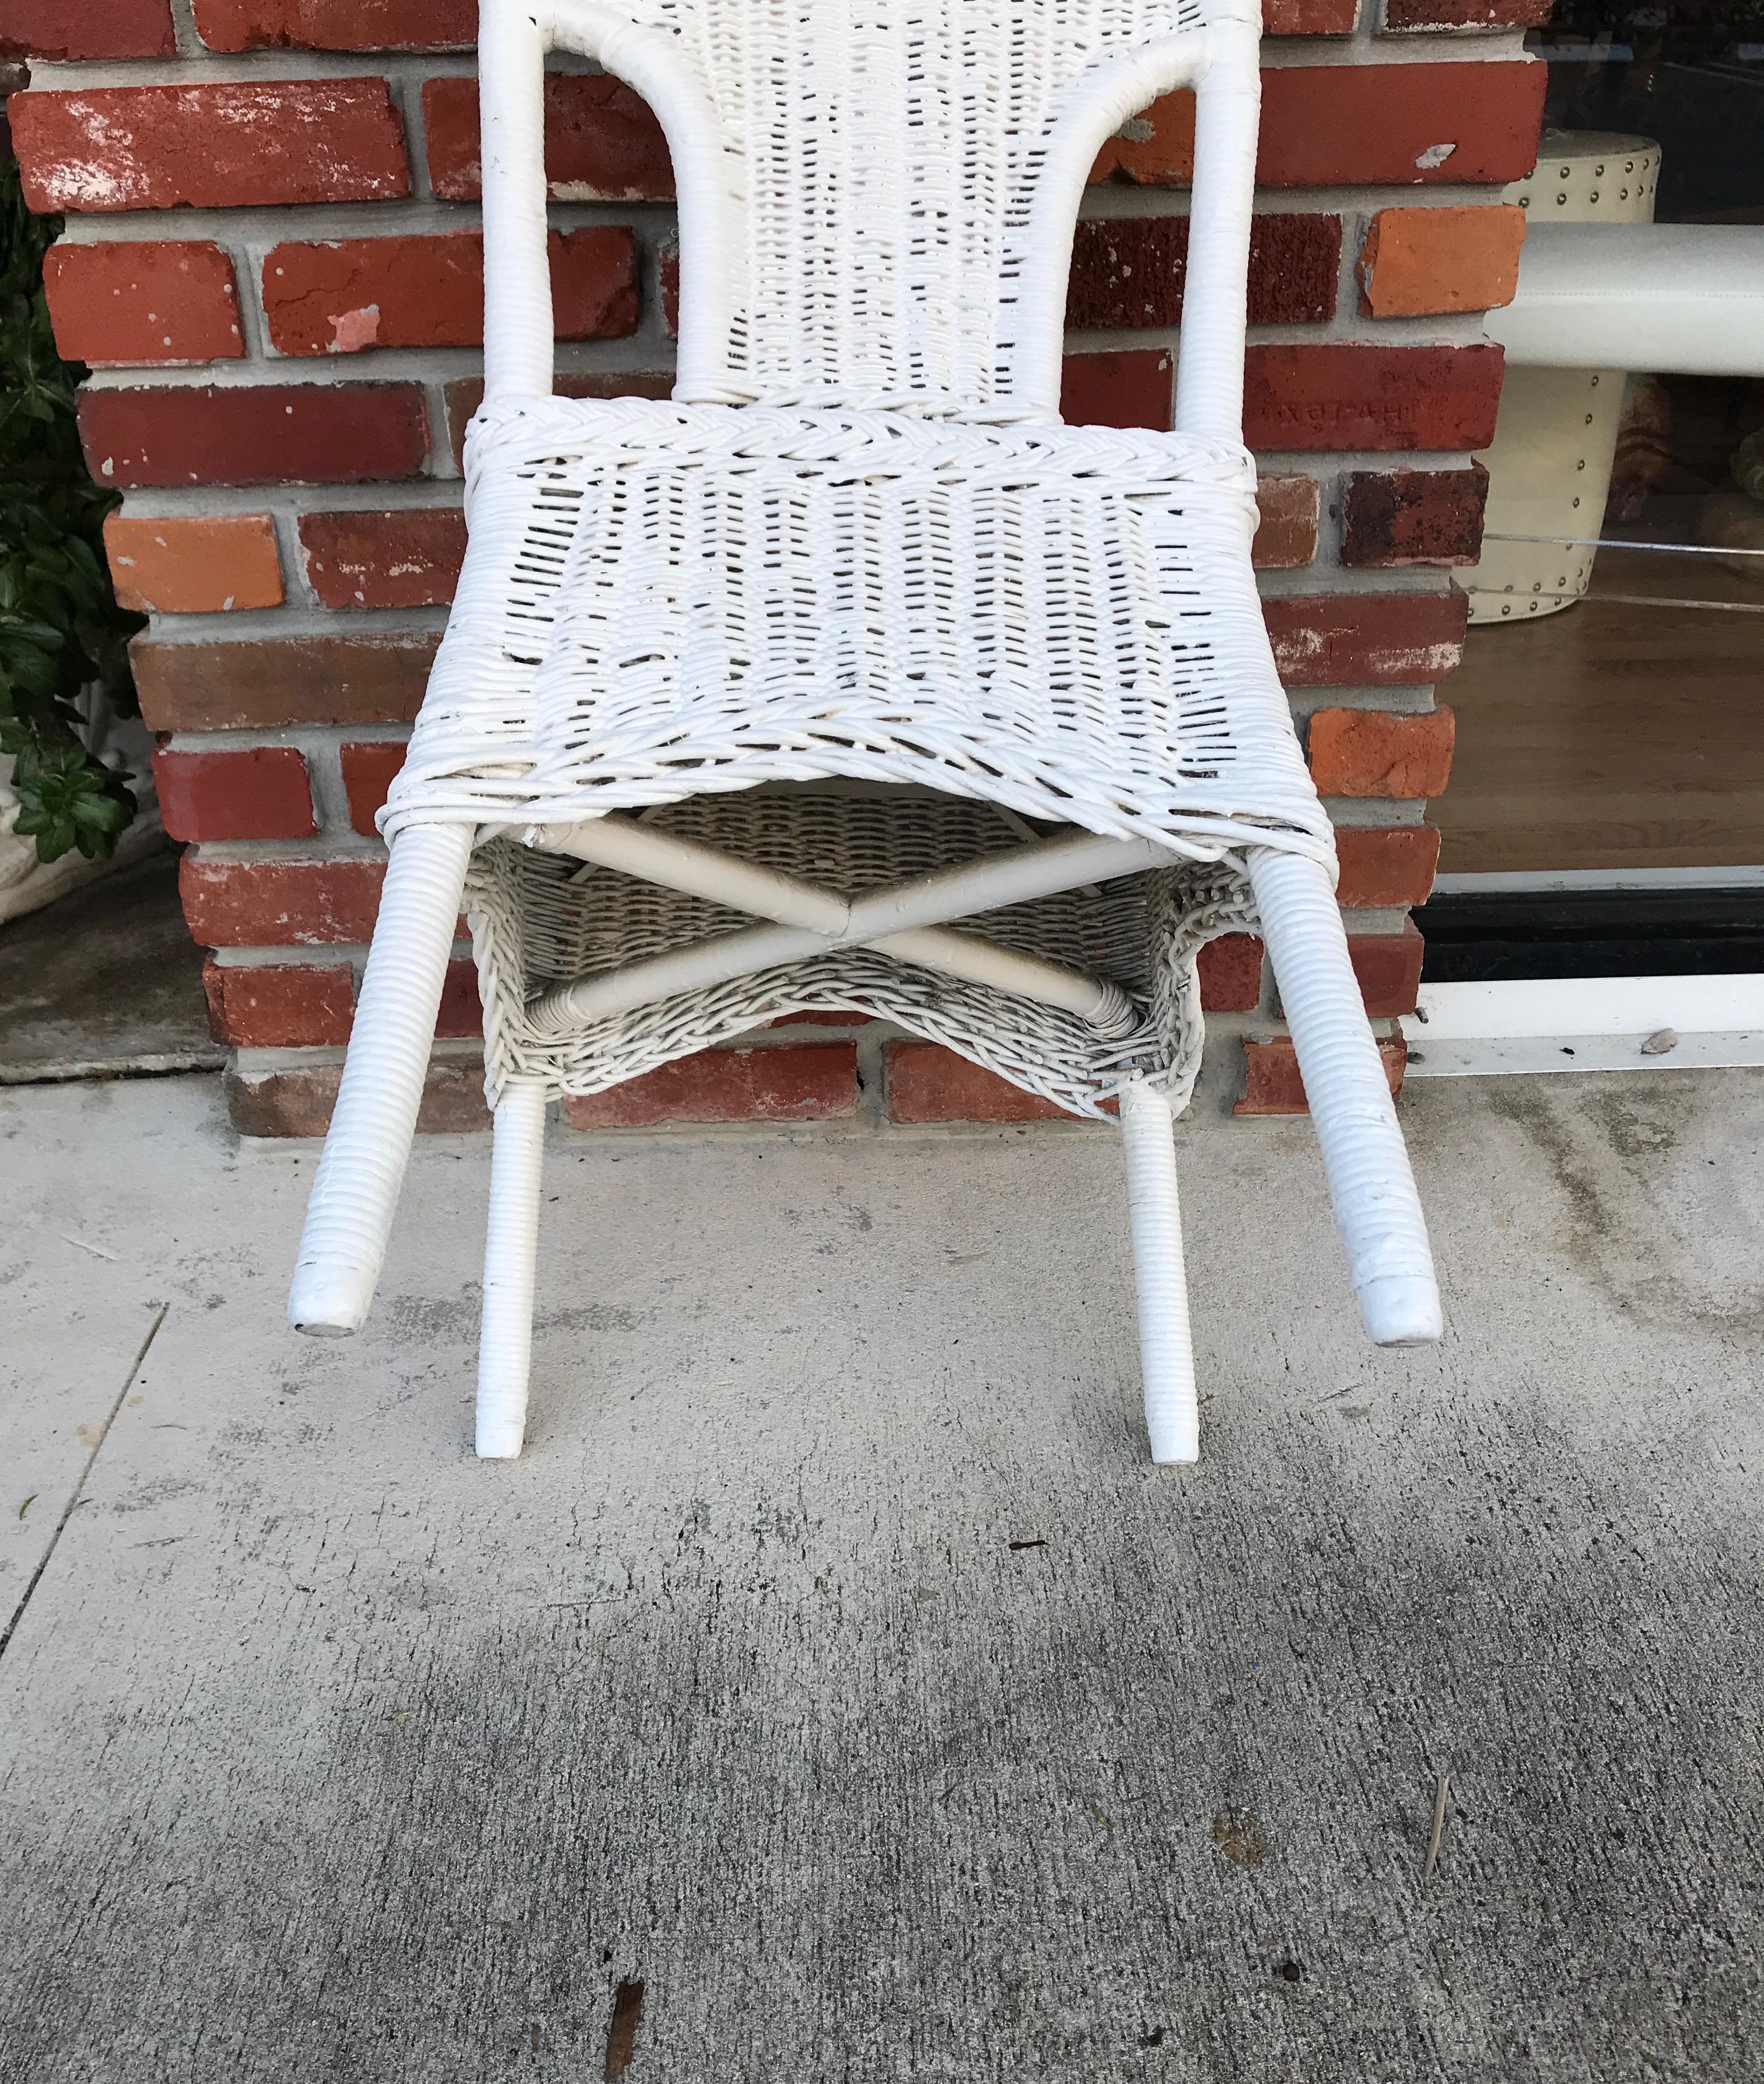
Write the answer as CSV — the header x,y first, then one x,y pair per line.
x,y
854,638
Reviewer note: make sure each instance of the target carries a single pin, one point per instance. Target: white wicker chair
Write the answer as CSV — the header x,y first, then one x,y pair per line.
x,y
854,638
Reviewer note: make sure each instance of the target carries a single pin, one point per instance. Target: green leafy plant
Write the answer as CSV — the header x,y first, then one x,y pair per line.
x,y
61,630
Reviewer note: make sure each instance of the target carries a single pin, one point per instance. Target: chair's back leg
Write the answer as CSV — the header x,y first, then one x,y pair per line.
x,y
1377,1208
1166,1349
349,1216
511,1243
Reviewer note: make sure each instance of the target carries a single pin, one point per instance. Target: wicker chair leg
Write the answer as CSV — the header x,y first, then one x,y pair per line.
x,y
1376,1209
349,1216
506,1338
1166,1349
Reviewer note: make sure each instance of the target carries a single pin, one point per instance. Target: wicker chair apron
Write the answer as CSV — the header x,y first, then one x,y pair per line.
x,y
663,601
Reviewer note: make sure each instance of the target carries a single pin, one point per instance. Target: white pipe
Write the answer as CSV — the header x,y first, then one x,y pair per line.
x,y
1686,299
1376,1209
349,1216
505,1331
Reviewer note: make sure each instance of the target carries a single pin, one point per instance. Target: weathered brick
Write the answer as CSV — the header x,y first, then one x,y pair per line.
x,y
268,682
1385,865
298,1101
1388,967
1340,395
407,557
465,394
667,277
927,1082
1286,535
1273,1086
232,144
188,564
1402,14
794,1082
259,792
460,1016
303,902
1130,271
338,296
63,31
256,433
603,142
1135,388
1458,258
1309,18
1230,973
1371,753
337,25
280,1006
1366,640
1413,517
369,767
1323,125
142,300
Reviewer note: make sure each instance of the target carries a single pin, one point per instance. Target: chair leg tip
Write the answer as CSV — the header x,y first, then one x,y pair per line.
x,y
1401,1309
502,1442
1175,1447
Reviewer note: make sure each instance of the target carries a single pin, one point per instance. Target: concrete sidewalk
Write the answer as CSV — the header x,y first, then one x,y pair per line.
x,y
835,1666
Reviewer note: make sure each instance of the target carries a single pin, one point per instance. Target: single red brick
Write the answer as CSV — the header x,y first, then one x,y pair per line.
x,y
1340,395
1230,968
1418,262
65,30
1385,865
1309,18
408,557
1372,752
298,1101
1389,968
1413,517
927,1082
225,144
465,394
1135,389
142,300
1467,13
795,1082
337,296
280,1006
667,283
1323,125
461,1015
1274,1086
255,434
369,767
337,25
1365,640
265,683
1286,535
259,792
193,563
1130,271
603,143
279,904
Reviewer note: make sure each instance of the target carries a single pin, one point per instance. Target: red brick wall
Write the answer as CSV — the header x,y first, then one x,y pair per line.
x,y
271,262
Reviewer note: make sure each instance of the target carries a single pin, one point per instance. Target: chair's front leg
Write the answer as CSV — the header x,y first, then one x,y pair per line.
x,y
511,1244
349,1216
1377,1208
1160,1282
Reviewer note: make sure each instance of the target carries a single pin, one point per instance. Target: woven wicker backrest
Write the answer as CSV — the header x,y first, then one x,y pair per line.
x,y
878,195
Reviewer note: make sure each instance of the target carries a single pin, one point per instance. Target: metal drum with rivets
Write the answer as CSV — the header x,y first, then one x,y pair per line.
x,y
1550,464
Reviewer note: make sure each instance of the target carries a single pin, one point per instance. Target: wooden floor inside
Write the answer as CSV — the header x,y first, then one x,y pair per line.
x,y
1614,734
